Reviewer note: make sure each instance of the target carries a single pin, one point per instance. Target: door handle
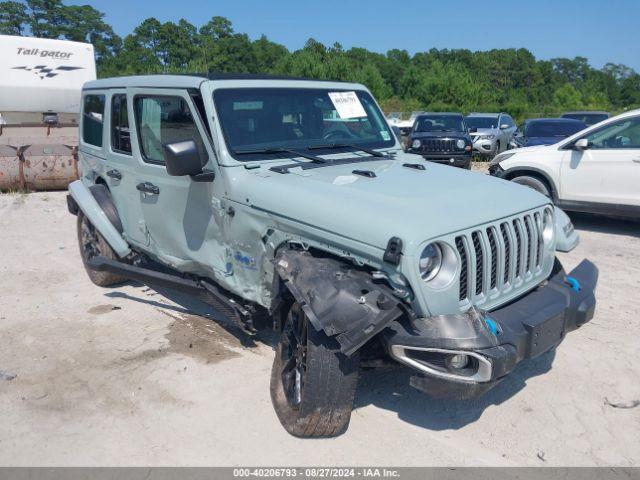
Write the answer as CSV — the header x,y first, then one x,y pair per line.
x,y
115,174
147,187
636,160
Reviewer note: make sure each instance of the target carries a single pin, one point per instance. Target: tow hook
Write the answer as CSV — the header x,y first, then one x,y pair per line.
x,y
492,325
573,283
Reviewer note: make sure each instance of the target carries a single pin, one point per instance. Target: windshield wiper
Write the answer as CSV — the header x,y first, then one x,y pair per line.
x,y
331,146
313,158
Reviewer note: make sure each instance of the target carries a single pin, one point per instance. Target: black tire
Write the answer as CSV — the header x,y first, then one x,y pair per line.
x,y
533,182
92,244
312,383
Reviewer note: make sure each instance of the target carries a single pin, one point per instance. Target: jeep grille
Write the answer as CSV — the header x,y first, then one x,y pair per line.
x,y
500,256
439,145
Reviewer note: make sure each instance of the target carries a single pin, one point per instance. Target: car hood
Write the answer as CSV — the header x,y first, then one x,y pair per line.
x,y
414,205
438,135
484,131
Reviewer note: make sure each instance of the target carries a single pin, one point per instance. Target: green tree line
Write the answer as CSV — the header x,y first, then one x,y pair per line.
x,y
510,80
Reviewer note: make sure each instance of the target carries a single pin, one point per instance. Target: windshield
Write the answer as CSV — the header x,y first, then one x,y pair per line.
x,y
553,129
439,123
258,119
482,122
587,118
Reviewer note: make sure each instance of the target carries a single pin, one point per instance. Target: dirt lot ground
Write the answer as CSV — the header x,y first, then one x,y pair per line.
x,y
129,376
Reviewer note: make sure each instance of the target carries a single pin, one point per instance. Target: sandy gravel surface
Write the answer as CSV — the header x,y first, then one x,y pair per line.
x,y
130,376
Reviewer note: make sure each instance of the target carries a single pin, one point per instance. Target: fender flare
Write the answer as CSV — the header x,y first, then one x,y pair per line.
x,y
339,299
103,196
510,173
86,201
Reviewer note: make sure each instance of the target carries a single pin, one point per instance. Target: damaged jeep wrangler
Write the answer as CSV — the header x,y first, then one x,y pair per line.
x,y
292,200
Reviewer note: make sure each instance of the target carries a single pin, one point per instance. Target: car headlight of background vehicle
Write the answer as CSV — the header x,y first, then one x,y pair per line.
x,y
415,144
438,264
487,137
548,227
461,144
502,156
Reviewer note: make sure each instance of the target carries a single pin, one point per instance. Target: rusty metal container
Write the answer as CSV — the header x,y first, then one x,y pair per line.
x,y
36,156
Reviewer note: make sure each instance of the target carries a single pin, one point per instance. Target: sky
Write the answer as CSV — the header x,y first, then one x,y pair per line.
x,y
600,30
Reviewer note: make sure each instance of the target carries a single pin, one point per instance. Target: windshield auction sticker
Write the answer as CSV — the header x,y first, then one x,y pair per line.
x,y
347,104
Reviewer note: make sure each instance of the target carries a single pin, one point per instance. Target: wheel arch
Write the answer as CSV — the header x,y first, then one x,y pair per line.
x,y
541,175
324,285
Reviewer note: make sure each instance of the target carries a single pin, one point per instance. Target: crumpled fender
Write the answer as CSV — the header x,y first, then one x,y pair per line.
x,y
344,302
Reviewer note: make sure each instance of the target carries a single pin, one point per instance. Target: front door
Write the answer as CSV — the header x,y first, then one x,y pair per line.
x,y
183,218
608,171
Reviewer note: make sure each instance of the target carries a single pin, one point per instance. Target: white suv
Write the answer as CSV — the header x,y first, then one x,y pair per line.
x,y
596,170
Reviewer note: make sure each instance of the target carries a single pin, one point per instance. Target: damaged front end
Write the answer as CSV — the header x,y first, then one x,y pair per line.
x,y
343,301
460,355
464,355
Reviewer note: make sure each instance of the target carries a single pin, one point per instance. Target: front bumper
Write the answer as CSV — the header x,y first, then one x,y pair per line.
x,y
494,342
453,159
485,147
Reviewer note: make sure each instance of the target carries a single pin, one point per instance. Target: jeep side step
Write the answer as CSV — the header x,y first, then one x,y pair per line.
x,y
202,290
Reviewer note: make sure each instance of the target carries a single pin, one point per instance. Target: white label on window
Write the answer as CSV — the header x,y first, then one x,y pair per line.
x,y
347,104
385,135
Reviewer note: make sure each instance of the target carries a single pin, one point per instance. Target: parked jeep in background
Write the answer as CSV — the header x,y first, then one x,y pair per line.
x,y
490,132
441,138
292,200
596,170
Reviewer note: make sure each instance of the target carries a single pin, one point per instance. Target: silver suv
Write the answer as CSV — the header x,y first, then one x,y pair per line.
x,y
490,132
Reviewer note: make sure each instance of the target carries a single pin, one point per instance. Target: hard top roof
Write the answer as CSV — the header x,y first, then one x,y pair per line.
x,y
448,114
478,114
552,120
194,80
583,112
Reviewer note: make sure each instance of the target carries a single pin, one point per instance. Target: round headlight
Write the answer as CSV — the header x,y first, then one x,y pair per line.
x,y
415,144
430,261
548,227
461,144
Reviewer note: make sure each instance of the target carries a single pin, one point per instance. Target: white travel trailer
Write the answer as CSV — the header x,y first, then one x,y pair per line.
x,y
40,87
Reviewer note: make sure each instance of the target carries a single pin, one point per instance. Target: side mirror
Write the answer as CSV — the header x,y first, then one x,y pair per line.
x,y
182,158
504,126
582,144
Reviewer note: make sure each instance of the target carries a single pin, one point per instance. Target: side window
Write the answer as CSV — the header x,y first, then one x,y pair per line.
x,y
92,119
161,120
120,134
507,120
621,134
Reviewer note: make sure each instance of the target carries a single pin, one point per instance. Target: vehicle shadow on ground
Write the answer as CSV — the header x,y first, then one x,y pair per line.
x,y
187,305
602,224
390,389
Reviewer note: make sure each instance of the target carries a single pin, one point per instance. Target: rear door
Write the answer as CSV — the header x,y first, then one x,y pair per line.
x,y
608,172
182,217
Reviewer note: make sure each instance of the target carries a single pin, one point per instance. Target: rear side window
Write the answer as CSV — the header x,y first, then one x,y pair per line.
x,y
162,120
92,119
120,134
